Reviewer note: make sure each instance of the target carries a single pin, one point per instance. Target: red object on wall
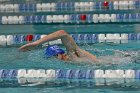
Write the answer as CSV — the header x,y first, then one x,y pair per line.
x,y
105,3
29,38
83,17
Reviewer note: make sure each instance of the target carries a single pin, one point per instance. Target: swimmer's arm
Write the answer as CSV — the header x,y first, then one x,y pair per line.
x,y
61,34
53,36
66,39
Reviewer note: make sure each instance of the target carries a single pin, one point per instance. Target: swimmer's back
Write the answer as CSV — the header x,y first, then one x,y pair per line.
x,y
80,55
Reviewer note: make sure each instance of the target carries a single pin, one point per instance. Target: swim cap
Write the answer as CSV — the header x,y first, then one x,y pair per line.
x,y
53,50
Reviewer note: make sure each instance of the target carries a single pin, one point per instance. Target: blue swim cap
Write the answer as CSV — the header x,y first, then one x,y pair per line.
x,y
53,50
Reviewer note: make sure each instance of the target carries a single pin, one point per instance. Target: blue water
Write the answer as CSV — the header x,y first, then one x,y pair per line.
x,y
70,86
11,58
108,52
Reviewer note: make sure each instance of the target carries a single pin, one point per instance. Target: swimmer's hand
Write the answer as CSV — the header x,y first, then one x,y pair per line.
x,y
28,47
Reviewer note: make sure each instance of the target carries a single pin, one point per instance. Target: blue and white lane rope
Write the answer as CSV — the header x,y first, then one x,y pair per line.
x,y
7,40
69,74
34,77
70,19
71,6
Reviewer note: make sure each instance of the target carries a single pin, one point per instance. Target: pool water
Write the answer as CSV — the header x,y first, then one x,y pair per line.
x,y
110,54
73,86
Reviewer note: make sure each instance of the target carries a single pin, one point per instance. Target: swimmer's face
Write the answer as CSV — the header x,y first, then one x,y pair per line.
x,y
62,57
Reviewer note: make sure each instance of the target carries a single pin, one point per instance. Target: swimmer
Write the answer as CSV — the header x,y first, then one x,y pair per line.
x,y
74,53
